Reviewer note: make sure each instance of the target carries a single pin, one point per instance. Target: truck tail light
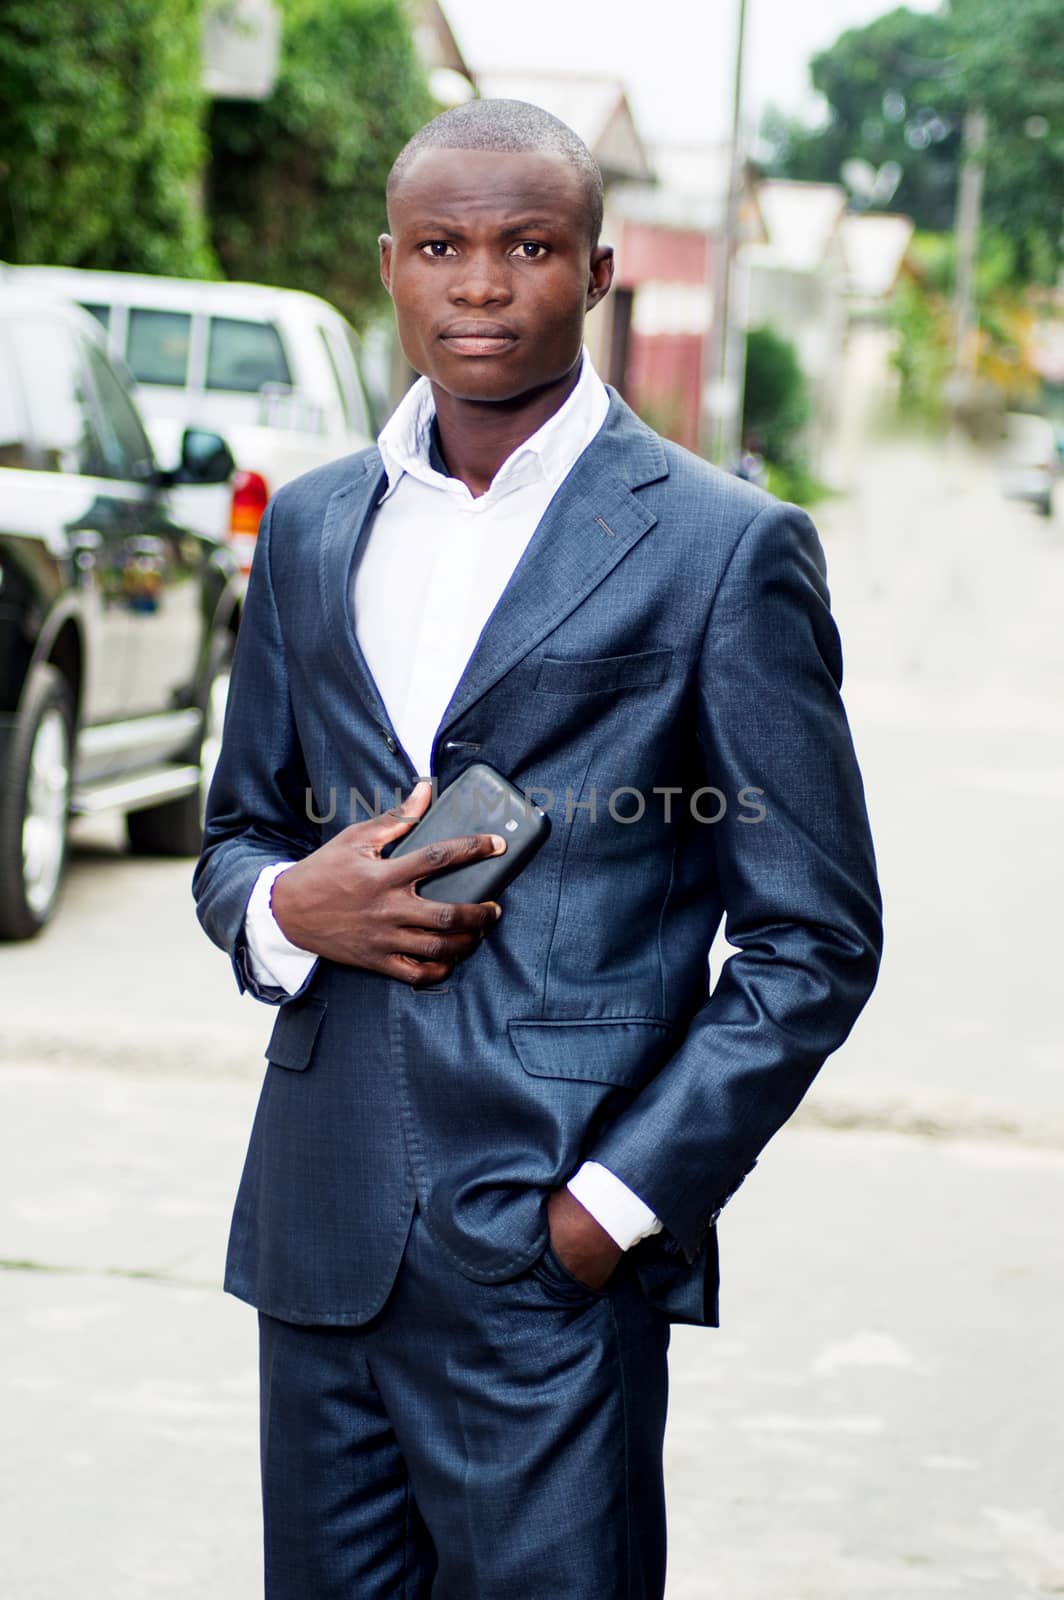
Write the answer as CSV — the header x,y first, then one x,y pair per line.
x,y
250,494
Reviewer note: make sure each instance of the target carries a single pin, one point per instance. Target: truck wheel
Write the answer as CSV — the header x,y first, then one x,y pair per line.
x,y
176,827
35,805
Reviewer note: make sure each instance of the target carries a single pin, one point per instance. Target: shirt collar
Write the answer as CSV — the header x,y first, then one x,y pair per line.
x,y
546,457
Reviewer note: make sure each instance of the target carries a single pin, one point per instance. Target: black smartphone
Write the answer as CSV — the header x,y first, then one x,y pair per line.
x,y
480,800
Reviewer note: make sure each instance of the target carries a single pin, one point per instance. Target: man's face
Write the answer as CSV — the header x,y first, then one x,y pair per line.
x,y
490,267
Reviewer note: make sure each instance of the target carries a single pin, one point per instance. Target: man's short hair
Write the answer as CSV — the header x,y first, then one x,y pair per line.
x,y
506,125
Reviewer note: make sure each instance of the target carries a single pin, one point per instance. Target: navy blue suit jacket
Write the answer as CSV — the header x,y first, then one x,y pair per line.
x,y
667,629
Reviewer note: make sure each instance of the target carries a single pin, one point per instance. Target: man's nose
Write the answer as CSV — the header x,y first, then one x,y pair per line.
x,y
483,282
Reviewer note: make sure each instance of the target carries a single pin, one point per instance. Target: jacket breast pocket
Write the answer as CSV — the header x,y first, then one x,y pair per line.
x,y
294,1032
603,674
625,1051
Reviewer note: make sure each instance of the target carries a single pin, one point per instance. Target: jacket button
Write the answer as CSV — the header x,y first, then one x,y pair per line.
x,y
390,742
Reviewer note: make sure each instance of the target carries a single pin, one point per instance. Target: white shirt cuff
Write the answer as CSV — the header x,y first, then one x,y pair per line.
x,y
625,1217
275,961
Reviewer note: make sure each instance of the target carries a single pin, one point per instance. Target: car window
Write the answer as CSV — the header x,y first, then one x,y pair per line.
x,y
101,313
354,348
13,442
338,386
242,356
125,444
344,369
62,423
157,345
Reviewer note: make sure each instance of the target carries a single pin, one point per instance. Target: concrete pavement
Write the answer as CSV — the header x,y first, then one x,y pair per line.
x,y
881,1414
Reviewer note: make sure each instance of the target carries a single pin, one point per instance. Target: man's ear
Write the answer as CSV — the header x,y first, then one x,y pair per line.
x,y
600,275
385,242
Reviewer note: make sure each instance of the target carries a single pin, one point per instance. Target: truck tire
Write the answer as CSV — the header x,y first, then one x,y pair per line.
x,y
35,805
175,828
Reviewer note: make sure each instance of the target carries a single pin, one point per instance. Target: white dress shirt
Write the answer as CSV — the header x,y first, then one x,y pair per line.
x,y
433,566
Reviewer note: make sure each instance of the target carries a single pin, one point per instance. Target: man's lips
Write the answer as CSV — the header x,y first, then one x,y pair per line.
x,y
478,339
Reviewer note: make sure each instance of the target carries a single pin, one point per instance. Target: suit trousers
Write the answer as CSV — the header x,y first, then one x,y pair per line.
x,y
473,1442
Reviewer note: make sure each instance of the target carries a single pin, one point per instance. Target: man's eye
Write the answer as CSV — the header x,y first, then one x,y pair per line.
x,y
437,249
531,250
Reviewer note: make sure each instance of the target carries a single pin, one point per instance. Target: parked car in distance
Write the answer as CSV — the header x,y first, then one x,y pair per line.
x,y
1029,460
276,371
117,623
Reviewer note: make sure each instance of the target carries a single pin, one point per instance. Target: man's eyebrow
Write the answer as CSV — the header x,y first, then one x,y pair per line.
x,y
433,228
437,228
527,224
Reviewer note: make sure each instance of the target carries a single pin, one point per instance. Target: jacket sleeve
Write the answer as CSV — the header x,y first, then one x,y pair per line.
x,y
257,809
802,905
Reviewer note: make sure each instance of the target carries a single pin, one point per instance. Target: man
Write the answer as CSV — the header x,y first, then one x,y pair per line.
x,y
493,1140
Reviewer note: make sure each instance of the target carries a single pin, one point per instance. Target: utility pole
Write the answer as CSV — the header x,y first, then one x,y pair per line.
x,y
723,370
966,235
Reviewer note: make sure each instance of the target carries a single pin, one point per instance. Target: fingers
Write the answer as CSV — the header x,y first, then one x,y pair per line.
x,y
418,974
447,853
445,919
432,950
392,824
451,933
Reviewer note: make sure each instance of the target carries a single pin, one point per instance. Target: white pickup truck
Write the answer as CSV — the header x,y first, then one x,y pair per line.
x,y
276,371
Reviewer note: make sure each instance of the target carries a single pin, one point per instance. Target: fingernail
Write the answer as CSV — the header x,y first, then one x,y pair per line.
x,y
499,842
498,909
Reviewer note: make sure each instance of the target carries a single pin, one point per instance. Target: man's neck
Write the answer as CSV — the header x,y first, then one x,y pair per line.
x,y
476,437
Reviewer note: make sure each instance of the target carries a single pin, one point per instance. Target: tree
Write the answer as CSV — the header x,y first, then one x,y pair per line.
x,y
776,404
1012,70
894,95
101,135
922,317
897,91
296,185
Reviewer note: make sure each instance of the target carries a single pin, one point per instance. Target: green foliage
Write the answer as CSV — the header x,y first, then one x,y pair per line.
x,y
934,255
101,135
923,350
922,317
894,94
296,185
776,404
1013,57
898,89
796,484
776,410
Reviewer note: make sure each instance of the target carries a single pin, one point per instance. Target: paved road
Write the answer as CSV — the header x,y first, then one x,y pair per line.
x,y
949,600
881,1414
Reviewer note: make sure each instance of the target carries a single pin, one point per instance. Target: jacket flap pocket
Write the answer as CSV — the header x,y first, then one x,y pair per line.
x,y
623,1050
294,1033
644,670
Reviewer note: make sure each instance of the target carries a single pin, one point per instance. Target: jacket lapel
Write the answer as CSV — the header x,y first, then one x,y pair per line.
x,y
592,522
348,520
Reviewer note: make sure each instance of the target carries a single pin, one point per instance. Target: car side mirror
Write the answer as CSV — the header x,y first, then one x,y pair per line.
x,y
205,458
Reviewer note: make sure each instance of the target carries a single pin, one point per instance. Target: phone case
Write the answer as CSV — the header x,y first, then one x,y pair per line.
x,y
480,800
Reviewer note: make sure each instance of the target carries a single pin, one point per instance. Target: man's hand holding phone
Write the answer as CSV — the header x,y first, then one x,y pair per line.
x,y
348,903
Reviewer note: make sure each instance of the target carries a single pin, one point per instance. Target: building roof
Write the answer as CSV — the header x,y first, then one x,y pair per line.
x,y
874,245
594,107
802,221
690,193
